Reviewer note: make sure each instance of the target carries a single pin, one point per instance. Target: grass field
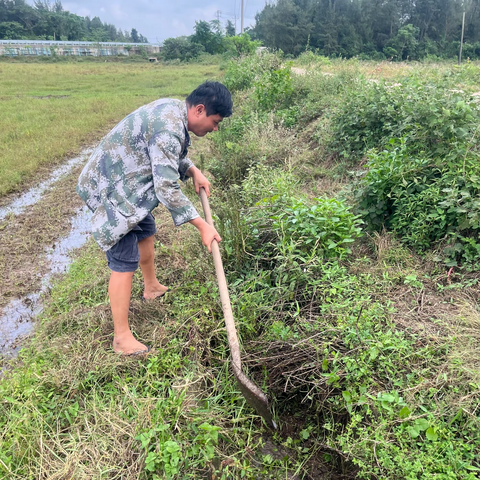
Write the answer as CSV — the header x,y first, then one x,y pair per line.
x,y
50,111
367,345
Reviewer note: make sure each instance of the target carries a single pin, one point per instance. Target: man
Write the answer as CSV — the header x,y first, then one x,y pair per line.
x,y
136,167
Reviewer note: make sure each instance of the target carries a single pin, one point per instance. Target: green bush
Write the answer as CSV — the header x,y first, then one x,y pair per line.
x,y
425,200
275,222
242,73
310,58
181,48
240,45
274,89
322,227
430,118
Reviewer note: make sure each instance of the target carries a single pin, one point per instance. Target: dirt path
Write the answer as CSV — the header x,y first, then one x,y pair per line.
x,y
37,230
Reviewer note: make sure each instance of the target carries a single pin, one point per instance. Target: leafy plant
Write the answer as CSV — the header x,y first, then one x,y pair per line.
x,y
274,89
240,45
325,227
431,118
425,200
241,74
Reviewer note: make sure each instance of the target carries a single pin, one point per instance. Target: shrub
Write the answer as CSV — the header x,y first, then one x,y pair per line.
x,y
322,227
240,45
274,89
276,220
310,58
181,48
430,118
242,73
424,200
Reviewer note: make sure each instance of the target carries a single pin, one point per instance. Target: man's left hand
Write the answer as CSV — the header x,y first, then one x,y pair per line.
x,y
199,180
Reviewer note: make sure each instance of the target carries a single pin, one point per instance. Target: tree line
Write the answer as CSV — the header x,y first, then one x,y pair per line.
x,y
208,38
376,29
46,21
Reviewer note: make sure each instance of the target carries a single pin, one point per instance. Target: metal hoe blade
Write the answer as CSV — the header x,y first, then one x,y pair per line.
x,y
254,396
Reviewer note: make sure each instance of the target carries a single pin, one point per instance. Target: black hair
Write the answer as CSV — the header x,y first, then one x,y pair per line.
x,y
215,96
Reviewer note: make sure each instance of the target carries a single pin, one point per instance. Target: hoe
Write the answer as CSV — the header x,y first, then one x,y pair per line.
x,y
254,396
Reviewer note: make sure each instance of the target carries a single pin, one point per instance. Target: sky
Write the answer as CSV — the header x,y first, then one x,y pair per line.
x,y
161,19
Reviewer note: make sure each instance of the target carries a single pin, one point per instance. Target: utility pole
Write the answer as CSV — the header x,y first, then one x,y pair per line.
x,y
461,41
235,15
218,14
241,30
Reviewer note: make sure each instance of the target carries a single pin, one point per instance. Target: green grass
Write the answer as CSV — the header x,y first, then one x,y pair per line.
x,y
371,360
171,413
50,111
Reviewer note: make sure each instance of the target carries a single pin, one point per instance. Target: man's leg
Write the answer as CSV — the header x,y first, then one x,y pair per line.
x,y
119,291
153,288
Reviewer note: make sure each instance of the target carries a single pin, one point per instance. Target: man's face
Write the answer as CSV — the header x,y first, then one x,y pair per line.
x,y
201,124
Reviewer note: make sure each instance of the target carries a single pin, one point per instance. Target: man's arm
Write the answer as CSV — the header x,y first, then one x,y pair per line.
x,y
164,150
199,180
164,153
207,232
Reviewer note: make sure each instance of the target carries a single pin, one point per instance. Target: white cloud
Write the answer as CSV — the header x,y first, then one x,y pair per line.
x,y
77,9
117,12
160,19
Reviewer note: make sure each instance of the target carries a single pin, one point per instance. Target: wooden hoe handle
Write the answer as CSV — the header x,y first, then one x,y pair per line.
x,y
254,396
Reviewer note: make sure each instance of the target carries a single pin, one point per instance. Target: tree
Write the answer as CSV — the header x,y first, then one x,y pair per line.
x,y
57,6
404,44
241,45
285,25
181,48
11,30
209,34
134,35
230,29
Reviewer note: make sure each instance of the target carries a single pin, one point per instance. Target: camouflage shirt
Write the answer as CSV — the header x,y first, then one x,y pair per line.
x,y
135,167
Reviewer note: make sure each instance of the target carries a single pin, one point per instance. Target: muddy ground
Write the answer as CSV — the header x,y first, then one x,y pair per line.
x,y
34,230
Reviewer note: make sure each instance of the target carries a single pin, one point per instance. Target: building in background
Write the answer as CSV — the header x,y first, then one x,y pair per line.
x,y
15,48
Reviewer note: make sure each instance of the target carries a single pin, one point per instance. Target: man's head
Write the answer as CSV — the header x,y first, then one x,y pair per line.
x,y
207,106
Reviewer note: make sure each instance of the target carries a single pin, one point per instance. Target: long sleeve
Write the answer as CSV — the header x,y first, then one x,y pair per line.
x,y
164,149
183,166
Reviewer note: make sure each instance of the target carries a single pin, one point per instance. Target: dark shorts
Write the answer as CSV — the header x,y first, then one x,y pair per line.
x,y
124,255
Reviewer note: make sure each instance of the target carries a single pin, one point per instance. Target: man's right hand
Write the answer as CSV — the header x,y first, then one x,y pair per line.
x,y
207,232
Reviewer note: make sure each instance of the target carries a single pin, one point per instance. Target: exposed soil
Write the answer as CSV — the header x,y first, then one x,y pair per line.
x,y
25,238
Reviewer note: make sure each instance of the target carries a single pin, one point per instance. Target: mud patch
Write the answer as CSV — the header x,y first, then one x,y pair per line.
x,y
17,320
46,97
38,231
33,195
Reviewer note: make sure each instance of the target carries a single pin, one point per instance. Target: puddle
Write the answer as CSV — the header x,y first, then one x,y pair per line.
x,y
18,317
50,96
33,195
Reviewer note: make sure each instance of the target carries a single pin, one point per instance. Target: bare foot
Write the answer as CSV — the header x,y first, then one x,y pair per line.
x,y
127,344
154,291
